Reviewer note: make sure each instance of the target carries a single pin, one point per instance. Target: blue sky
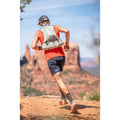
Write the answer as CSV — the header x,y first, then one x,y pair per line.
x,y
78,16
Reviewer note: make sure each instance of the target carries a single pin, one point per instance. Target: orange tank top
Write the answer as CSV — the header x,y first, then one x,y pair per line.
x,y
56,52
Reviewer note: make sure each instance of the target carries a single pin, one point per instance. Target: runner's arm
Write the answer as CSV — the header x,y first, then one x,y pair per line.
x,y
67,34
35,41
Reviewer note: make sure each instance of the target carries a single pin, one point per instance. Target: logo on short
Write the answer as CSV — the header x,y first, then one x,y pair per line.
x,y
56,70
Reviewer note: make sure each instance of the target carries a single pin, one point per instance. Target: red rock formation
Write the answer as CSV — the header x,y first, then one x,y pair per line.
x,y
41,61
37,69
71,61
30,66
27,53
72,58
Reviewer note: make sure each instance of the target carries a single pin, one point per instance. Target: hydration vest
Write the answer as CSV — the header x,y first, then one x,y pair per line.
x,y
51,40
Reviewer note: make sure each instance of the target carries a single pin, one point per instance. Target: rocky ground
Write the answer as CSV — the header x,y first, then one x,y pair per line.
x,y
47,108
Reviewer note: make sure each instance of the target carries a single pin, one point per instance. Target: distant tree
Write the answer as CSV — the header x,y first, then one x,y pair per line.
x,y
96,44
95,39
23,3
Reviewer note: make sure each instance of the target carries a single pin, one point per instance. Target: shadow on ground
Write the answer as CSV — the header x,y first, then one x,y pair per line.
x,y
52,117
79,107
70,117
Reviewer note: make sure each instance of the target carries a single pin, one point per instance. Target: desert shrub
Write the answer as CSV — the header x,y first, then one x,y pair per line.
x,y
71,82
83,82
82,94
35,84
95,82
32,91
23,87
31,79
66,72
74,97
83,71
75,78
95,96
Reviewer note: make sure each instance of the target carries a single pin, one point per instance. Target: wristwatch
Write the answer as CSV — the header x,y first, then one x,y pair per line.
x,y
39,48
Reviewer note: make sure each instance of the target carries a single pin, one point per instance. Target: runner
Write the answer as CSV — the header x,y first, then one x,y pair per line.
x,y
51,43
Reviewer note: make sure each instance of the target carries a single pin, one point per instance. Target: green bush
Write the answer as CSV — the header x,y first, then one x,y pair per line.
x,y
95,96
32,92
83,82
83,72
81,94
74,97
66,72
95,82
71,82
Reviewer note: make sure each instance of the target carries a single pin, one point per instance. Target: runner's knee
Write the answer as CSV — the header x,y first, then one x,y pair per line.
x,y
57,76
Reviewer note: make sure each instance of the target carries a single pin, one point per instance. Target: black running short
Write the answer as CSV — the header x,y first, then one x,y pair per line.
x,y
56,64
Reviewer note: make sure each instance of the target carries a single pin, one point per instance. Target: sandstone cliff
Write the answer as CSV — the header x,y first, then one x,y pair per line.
x,y
72,56
72,61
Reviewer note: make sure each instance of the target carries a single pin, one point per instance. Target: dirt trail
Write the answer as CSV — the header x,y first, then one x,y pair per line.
x,y
47,108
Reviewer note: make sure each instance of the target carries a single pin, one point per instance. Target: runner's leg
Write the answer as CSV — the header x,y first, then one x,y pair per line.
x,y
60,83
63,87
62,95
65,91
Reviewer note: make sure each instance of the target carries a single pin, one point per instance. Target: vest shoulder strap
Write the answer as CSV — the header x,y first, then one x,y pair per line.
x,y
56,31
41,36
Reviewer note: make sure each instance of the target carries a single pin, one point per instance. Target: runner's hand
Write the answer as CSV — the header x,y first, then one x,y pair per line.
x,y
66,46
39,47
